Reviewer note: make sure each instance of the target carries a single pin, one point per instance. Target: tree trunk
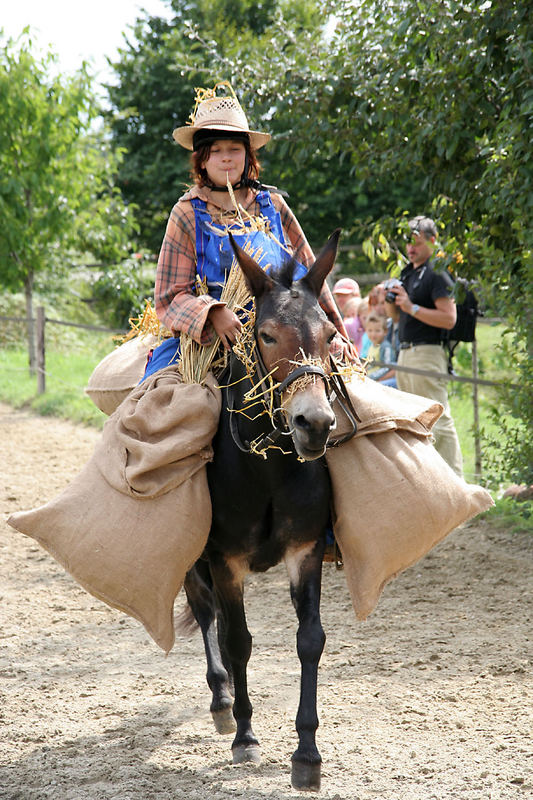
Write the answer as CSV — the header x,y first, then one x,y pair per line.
x,y
30,322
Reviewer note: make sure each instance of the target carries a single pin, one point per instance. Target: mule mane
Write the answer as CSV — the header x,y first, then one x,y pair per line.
x,y
284,275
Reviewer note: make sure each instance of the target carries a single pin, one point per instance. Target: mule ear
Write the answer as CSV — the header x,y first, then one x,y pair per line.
x,y
323,265
256,278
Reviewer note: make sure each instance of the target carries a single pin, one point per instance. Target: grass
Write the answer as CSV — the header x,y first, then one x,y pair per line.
x,y
68,368
462,410
513,516
491,368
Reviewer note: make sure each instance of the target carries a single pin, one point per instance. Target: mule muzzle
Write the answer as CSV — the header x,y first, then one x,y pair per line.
x,y
311,421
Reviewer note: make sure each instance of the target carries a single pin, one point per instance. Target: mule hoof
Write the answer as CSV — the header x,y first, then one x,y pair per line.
x,y
305,777
247,754
224,721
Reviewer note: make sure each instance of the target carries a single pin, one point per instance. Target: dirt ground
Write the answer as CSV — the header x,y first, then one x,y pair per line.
x,y
430,698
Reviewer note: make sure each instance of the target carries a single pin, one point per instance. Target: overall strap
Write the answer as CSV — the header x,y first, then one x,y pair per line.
x,y
214,255
266,207
264,201
208,264
198,204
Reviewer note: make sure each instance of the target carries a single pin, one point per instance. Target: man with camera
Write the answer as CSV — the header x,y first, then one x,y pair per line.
x,y
422,302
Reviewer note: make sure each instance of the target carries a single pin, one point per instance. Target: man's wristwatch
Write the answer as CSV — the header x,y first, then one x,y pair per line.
x,y
415,309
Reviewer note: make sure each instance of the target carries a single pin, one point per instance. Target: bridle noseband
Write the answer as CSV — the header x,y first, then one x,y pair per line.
x,y
335,388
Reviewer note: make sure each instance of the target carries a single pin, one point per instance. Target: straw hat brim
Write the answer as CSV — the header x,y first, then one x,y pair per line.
x,y
183,136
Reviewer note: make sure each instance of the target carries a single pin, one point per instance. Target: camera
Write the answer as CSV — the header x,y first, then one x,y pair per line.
x,y
390,297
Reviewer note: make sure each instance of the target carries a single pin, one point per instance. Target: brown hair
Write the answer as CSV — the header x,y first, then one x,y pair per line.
x,y
375,294
379,318
200,156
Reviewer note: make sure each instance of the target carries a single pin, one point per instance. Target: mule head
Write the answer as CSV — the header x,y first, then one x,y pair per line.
x,y
291,329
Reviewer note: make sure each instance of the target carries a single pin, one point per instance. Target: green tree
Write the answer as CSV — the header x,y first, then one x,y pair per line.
x,y
287,84
450,92
150,98
56,176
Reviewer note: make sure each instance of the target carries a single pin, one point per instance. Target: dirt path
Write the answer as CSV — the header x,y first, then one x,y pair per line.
x,y
430,698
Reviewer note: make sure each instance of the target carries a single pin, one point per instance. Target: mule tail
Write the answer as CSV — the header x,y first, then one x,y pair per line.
x,y
200,608
185,622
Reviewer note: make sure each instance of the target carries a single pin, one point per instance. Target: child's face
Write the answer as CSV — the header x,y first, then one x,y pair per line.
x,y
375,332
225,161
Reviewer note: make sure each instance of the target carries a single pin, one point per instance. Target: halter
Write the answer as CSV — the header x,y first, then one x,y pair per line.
x,y
335,387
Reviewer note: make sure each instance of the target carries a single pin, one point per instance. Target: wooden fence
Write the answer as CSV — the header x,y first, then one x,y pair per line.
x,y
42,320
40,339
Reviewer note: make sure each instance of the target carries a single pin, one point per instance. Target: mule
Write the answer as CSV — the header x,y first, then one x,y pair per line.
x,y
273,509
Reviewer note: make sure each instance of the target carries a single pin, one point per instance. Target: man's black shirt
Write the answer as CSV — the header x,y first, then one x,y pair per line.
x,y
424,286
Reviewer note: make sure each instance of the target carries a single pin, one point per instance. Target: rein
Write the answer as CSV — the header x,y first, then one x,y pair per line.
x,y
335,387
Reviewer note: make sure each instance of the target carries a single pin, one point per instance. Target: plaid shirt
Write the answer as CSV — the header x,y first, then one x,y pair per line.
x,y
177,305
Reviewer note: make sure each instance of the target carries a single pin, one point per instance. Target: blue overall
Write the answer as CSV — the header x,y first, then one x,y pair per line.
x,y
214,258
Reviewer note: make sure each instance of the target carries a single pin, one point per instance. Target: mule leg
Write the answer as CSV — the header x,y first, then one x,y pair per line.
x,y
228,579
199,591
304,566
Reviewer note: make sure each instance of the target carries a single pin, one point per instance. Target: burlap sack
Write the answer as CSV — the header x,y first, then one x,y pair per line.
x,y
380,408
116,375
160,434
128,527
394,497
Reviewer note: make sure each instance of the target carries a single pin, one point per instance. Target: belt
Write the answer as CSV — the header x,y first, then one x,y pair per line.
x,y
408,345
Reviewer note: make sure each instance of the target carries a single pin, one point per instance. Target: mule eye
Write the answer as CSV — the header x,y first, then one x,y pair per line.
x,y
267,339
330,338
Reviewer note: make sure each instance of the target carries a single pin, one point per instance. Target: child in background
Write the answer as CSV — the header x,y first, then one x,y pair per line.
x,y
380,349
352,321
345,290
362,313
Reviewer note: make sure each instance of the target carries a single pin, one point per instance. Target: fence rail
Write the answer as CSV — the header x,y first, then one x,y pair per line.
x,y
41,320
83,325
442,375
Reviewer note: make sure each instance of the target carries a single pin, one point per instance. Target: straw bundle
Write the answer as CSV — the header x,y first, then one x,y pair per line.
x,y
147,323
197,360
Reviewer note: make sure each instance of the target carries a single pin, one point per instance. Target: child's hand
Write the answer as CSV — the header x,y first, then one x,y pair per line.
x,y
226,324
344,350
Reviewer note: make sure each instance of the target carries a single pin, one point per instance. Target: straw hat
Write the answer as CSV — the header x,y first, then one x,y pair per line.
x,y
223,113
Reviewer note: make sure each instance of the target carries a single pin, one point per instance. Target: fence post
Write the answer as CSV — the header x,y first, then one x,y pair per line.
x,y
41,362
475,399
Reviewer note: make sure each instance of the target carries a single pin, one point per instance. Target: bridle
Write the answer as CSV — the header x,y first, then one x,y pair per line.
x,y
335,388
